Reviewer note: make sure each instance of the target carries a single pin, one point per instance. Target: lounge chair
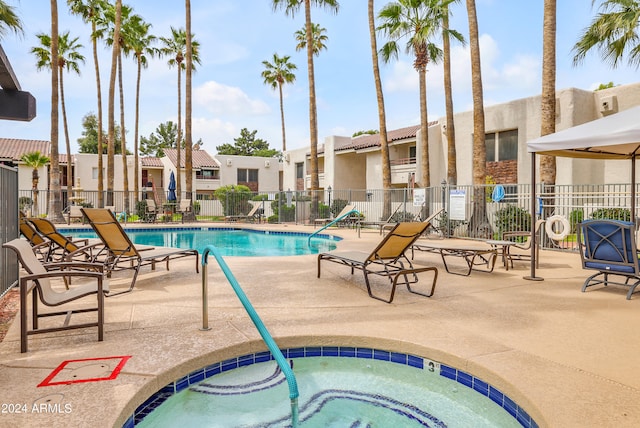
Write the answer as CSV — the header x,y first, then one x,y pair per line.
x,y
472,254
254,213
38,281
342,215
120,253
62,247
39,244
388,259
381,224
609,247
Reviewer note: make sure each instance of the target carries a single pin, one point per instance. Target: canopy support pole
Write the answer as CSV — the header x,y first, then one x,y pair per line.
x,y
534,238
633,190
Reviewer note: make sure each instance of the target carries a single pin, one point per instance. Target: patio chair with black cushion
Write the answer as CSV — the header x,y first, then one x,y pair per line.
x,y
119,253
38,281
609,247
387,259
186,209
63,247
151,211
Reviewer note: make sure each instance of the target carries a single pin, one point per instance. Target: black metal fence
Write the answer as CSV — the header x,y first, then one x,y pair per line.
x,y
475,212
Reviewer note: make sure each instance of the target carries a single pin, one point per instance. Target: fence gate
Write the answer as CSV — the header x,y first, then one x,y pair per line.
x,y
8,226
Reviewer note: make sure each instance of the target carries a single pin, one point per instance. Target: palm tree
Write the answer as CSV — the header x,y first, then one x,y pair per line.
x,y
55,203
68,59
418,21
290,8
318,37
35,160
188,107
276,74
140,43
548,101
9,21
175,47
93,11
382,118
614,32
479,149
452,169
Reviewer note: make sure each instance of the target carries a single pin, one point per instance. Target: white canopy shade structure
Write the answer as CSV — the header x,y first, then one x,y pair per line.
x,y
612,137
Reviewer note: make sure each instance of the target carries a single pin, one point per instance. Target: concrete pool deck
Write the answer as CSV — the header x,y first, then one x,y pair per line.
x,y
570,359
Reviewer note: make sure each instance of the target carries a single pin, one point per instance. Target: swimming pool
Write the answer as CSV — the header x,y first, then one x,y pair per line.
x,y
339,386
230,241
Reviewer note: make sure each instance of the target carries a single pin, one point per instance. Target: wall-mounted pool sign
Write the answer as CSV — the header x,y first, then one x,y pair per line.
x,y
419,197
457,204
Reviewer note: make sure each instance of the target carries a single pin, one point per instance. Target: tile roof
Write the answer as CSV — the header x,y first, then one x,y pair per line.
x,y
201,159
14,148
151,162
366,141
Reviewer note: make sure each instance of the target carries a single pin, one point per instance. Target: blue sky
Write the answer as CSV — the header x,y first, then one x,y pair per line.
x,y
236,36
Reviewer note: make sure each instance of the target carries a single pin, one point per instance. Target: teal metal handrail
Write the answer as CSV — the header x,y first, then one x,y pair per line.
x,y
331,223
266,336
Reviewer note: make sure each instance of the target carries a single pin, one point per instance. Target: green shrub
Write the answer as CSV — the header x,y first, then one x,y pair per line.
x,y
234,199
576,216
141,208
612,213
402,216
512,218
337,205
24,202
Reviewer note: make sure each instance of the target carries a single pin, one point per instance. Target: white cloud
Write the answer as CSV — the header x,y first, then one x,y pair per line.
x,y
214,132
228,100
403,77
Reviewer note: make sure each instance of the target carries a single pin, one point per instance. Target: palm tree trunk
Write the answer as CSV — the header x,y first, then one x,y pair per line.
x,y
382,120
179,141
136,160
479,225
452,172
111,113
99,96
424,130
313,119
548,101
125,168
55,208
188,160
35,179
66,139
284,138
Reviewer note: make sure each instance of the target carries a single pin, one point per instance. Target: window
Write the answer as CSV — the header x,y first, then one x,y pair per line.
x,y
247,175
502,146
299,170
412,154
208,174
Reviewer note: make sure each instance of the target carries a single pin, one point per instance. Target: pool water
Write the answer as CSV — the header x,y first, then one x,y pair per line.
x,y
230,242
334,392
